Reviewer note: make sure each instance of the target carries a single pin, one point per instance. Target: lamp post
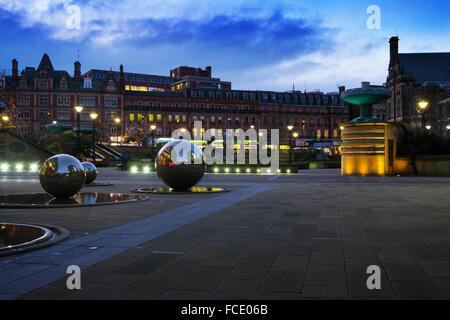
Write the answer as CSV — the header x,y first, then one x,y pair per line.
x,y
5,118
290,144
93,117
153,127
117,120
78,109
422,108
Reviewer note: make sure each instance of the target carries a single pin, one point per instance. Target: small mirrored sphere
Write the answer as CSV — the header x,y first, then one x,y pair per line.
x,y
180,164
62,176
91,171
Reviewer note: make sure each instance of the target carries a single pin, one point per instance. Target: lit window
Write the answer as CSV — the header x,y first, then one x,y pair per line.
x,y
140,117
158,117
170,118
131,116
150,117
318,134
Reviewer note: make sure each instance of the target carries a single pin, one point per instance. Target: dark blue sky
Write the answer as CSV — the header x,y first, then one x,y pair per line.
x,y
255,44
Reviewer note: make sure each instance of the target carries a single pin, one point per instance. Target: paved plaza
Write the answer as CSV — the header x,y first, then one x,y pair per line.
x,y
310,235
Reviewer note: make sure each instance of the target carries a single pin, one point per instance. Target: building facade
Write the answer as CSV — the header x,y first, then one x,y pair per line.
x,y
416,77
143,101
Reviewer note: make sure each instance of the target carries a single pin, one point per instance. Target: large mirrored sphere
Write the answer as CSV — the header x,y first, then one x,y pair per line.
x,y
62,176
180,164
91,171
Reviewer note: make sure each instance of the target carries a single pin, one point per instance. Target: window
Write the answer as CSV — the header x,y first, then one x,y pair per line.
x,y
131,116
25,115
87,101
318,134
158,117
43,100
110,102
84,116
170,118
335,133
43,84
140,117
44,115
23,100
150,117
63,115
325,134
184,119
63,101
177,119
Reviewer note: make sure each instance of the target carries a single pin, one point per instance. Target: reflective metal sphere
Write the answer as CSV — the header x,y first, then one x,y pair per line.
x,y
91,171
180,164
62,176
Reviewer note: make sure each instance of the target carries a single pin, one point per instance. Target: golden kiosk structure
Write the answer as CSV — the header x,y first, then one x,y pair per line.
x,y
368,144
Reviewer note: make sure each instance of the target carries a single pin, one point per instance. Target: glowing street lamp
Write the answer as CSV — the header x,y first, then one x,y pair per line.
x,y
117,121
428,127
78,109
422,108
153,127
93,116
5,118
289,127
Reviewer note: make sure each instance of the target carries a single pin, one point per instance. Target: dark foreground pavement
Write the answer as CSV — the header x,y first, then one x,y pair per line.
x,y
302,236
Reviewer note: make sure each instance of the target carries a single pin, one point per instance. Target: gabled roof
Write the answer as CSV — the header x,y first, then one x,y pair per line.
x,y
426,66
46,63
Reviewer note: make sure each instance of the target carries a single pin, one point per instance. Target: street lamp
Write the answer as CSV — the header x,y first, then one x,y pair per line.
x,y
428,127
78,109
54,122
5,118
153,127
422,108
289,127
117,120
93,117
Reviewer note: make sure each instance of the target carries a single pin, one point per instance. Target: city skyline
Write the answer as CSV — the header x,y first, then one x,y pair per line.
x,y
255,45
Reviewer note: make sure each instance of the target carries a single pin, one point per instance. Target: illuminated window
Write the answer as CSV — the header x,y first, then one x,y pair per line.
x,y
136,88
318,134
177,119
325,134
140,117
150,117
335,133
158,117
131,116
170,118
184,119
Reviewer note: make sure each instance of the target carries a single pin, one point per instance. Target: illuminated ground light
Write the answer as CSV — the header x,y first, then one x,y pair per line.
x,y
134,169
288,171
216,170
279,171
4,167
238,170
227,170
19,167
258,170
248,170
34,167
146,169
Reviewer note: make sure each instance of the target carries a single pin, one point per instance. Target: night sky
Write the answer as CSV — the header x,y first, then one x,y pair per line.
x,y
265,45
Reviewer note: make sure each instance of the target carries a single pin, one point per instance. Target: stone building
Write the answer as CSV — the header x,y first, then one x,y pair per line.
x,y
415,77
140,101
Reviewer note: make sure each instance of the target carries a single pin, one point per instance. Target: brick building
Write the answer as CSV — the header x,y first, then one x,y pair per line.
x,y
140,101
414,77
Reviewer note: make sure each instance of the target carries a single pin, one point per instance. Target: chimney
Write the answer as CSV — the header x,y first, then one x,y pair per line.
x,y
393,41
77,71
341,89
122,78
208,68
365,84
15,69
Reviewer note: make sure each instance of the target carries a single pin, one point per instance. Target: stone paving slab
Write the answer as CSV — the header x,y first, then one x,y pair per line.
x,y
305,236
